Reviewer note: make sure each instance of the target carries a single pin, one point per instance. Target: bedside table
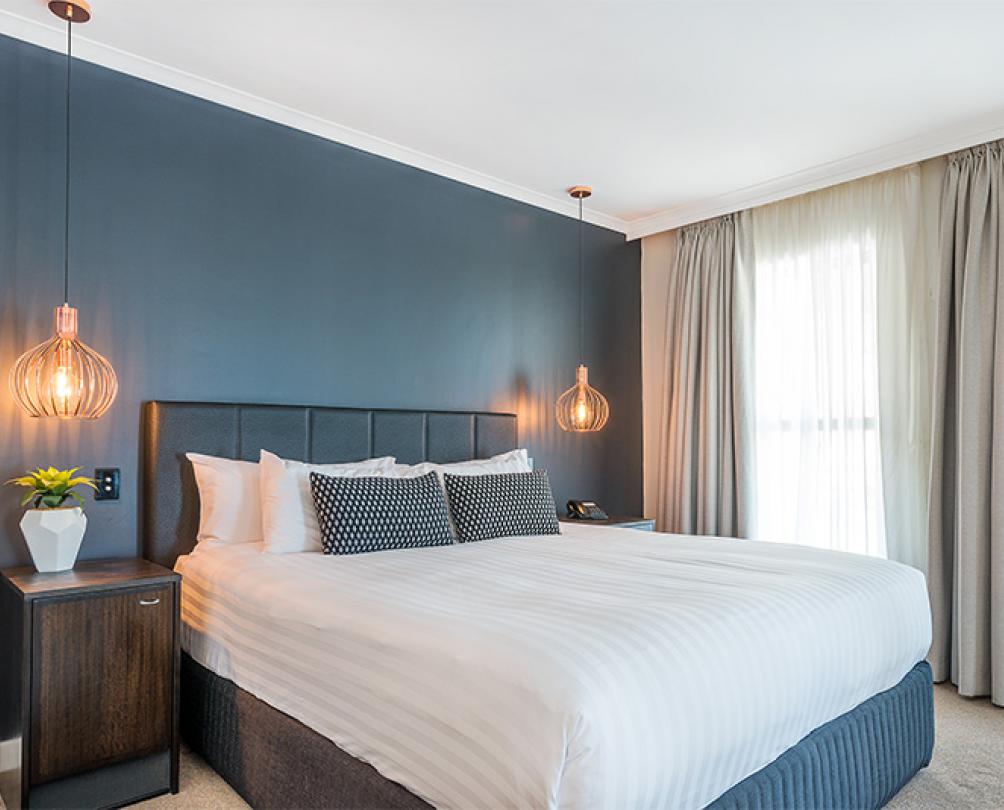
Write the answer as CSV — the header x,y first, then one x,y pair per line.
x,y
89,684
621,521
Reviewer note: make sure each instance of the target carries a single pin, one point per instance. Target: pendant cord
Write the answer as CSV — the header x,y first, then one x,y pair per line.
x,y
66,211
581,328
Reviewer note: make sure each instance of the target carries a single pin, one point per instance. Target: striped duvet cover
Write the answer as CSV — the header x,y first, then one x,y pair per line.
x,y
603,667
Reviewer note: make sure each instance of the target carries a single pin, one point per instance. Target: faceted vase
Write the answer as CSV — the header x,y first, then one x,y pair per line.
x,y
54,537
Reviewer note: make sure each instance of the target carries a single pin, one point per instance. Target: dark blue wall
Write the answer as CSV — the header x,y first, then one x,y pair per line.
x,y
217,256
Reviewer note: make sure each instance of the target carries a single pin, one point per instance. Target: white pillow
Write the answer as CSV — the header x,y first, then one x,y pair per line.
x,y
288,518
230,505
513,461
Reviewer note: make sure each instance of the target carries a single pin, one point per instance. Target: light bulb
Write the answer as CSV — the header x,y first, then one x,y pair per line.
x,y
63,385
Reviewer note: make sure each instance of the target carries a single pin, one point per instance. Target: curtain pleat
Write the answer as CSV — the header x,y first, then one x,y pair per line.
x,y
966,517
700,483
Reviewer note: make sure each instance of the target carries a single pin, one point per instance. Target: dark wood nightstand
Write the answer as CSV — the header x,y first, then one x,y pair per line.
x,y
621,521
89,664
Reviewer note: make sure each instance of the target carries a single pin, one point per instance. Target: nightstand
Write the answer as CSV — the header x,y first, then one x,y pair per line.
x,y
621,521
89,684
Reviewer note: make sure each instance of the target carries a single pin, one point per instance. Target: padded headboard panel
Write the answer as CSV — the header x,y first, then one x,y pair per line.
x,y
170,500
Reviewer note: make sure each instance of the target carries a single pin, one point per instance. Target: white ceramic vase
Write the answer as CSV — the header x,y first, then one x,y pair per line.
x,y
54,536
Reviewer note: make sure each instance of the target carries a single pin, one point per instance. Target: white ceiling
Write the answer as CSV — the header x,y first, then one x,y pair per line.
x,y
673,111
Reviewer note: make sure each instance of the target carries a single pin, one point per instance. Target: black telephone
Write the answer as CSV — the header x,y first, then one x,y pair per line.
x,y
585,510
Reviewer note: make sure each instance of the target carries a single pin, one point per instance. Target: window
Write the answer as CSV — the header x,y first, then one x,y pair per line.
x,y
816,387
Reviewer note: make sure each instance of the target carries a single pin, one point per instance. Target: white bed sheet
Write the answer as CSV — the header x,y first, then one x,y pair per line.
x,y
601,668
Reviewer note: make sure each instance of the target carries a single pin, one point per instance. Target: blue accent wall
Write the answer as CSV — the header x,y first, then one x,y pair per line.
x,y
218,256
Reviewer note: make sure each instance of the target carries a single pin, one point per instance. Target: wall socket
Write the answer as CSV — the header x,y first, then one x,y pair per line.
x,y
107,480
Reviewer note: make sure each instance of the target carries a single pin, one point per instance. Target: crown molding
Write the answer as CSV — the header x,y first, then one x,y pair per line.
x,y
46,36
959,136
902,153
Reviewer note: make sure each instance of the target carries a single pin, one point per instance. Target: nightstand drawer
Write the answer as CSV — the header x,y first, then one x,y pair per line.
x,y
102,679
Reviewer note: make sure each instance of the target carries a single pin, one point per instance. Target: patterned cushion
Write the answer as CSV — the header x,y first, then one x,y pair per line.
x,y
502,505
357,515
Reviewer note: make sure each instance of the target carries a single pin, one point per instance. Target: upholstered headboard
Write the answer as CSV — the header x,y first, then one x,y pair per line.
x,y
170,500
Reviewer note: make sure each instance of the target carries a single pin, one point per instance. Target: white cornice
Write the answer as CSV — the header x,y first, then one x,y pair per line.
x,y
970,133
43,35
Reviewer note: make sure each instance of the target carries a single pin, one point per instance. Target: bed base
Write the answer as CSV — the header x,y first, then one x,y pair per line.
x,y
272,760
859,760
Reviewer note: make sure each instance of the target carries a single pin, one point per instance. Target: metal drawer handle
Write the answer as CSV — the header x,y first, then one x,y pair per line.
x,y
149,602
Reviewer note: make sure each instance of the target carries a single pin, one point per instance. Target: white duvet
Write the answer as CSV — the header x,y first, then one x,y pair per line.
x,y
601,668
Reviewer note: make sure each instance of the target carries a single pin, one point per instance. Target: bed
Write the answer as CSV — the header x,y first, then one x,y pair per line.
x,y
599,668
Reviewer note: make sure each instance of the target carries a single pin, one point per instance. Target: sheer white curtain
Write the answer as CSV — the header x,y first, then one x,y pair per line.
x,y
840,389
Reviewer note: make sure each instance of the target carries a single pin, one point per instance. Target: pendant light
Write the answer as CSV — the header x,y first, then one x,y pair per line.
x,y
581,409
63,377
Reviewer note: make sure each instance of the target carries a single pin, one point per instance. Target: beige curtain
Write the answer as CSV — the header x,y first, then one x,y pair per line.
x,y
701,486
966,519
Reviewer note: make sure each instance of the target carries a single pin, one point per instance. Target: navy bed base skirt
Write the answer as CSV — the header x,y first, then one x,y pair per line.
x,y
859,760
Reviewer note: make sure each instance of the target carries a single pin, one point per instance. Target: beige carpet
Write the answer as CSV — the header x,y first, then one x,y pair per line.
x,y
967,772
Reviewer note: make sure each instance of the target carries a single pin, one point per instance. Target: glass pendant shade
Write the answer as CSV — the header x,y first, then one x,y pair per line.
x,y
582,409
63,377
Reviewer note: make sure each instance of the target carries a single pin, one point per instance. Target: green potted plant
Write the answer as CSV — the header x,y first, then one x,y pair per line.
x,y
53,530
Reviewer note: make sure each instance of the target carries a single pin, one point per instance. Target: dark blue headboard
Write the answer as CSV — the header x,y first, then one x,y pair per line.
x,y
170,501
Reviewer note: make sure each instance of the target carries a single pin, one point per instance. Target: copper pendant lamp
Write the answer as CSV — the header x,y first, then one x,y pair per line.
x,y
581,409
63,377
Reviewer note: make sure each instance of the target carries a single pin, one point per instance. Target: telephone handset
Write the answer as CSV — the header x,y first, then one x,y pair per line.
x,y
585,510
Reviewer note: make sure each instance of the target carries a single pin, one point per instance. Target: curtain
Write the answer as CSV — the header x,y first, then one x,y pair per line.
x,y
840,382
966,528
702,474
